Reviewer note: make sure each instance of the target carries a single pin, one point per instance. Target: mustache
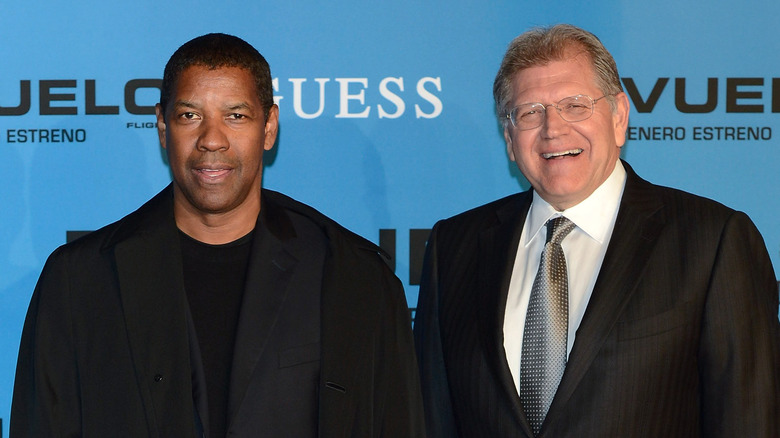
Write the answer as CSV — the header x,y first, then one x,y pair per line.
x,y
212,160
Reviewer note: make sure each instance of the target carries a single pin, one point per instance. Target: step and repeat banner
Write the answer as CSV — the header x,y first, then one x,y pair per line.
x,y
386,113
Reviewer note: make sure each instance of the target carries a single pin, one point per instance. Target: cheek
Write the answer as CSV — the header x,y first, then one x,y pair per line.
x,y
178,154
523,147
248,151
174,151
602,134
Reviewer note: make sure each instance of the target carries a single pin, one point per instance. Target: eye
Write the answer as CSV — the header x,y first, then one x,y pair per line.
x,y
237,116
576,108
529,113
187,115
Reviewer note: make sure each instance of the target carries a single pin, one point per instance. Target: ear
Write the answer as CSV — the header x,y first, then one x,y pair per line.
x,y
508,140
158,110
271,127
620,118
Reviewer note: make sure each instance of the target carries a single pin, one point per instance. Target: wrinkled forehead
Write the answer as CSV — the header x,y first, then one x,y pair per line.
x,y
555,80
199,77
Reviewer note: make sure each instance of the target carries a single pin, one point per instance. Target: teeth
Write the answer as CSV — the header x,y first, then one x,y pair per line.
x,y
562,153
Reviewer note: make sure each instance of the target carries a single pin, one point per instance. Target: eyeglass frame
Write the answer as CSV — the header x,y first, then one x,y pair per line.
x,y
557,108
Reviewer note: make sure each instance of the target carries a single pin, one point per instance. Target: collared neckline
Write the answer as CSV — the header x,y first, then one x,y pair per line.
x,y
593,215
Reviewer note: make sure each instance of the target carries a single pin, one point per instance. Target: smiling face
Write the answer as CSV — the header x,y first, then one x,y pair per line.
x,y
215,131
566,161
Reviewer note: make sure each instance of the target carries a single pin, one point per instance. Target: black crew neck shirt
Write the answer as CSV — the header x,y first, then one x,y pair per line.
x,y
214,278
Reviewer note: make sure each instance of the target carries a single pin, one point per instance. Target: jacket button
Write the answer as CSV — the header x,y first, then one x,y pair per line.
x,y
158,378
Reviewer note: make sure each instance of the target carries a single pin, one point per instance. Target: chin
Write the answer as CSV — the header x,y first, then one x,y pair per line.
x,y
211,205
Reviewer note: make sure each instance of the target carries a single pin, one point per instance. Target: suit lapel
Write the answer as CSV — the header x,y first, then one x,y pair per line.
x,y
497,249
636,230
146,250
269,271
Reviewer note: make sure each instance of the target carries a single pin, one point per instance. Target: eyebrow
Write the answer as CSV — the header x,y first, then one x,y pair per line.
x,y
239,106
230,107
184,103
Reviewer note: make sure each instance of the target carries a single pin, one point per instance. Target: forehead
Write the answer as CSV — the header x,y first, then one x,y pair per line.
x,y
555,80
200,81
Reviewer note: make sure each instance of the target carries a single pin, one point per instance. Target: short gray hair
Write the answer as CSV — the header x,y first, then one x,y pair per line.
x,y
540,46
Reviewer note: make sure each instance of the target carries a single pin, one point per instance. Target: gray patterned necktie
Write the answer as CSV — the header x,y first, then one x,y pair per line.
x,y
546,327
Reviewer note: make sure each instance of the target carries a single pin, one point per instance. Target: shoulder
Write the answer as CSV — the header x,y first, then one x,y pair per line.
x,y
93,251
675,205
341,241
153,217
358,278
509,208
690,220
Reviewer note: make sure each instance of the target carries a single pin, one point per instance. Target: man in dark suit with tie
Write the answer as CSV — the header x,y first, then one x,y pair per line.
x,y
218,308
595,304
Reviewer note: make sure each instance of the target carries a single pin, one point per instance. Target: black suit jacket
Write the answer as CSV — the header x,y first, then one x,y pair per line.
x,y
679,339
108,347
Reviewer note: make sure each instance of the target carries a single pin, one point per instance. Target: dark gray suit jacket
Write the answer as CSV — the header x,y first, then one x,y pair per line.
x,y
680,337
108,350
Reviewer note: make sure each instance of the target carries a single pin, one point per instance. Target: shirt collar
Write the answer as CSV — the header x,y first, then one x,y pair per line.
x,y
594,215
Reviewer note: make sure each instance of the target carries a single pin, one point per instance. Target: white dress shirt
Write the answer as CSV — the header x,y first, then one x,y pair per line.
x,y
584,249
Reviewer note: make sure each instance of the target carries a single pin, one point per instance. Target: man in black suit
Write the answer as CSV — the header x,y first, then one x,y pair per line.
x,y
645,312
203,314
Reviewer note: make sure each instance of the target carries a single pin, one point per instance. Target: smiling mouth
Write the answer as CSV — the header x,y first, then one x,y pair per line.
x,y
570,152
212,173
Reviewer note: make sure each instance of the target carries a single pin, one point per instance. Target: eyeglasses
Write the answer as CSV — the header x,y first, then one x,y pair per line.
x,y
572,109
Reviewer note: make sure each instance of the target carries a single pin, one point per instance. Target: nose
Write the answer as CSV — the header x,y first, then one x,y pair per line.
x,y
212,136
553,123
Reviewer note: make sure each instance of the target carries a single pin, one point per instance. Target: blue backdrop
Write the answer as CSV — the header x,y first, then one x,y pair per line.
x,y
387,119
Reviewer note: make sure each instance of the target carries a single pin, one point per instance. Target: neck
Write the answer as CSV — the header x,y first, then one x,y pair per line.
x,y
217,228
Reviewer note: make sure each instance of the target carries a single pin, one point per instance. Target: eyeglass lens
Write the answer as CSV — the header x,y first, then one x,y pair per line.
x,y
571,109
